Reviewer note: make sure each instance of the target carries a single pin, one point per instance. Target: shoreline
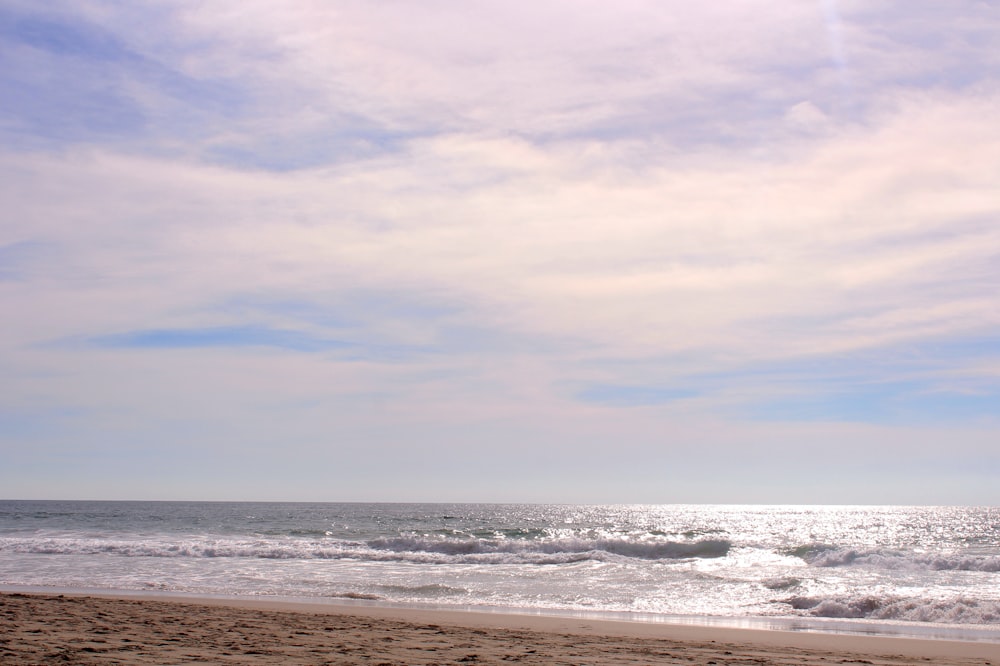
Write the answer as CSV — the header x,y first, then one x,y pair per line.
x,y
157,626
928,631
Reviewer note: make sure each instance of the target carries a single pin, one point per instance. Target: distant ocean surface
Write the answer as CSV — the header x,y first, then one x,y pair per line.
x,y
932,570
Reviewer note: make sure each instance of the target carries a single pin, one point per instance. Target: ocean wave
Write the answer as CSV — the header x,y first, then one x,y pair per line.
x,y
360,596
781,583
431,590
949,611
832,556
421,550
646,550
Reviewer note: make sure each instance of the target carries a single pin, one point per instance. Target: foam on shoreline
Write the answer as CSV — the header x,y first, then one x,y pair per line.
x,y
880,639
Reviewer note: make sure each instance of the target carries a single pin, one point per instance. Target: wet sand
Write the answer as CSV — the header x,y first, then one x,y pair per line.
x,y
72,629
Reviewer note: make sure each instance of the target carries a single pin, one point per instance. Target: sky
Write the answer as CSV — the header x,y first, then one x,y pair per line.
x,y
663,252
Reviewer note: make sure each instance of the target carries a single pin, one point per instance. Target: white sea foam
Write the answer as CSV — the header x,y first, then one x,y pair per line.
x,y
592,548
952,611
410,549
865,564
829,556
781,583
433,590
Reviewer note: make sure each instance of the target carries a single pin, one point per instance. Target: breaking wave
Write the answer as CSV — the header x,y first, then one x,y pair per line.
x,y
951,611
422,550
832,556
360,596
433,590
781,583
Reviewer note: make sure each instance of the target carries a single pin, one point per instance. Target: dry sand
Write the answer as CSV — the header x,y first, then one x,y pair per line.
x,y
45,629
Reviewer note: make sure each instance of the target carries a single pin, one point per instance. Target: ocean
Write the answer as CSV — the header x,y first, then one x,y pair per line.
x,y
922,571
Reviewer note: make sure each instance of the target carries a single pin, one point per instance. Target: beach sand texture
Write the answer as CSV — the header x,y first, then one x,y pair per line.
x,y
44,629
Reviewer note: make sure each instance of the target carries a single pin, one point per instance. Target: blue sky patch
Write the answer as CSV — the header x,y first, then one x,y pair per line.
x,y
890,403
16,257
76,38
223,336
68,81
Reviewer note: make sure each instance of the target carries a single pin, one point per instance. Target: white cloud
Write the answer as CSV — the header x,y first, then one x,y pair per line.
x,y
555,241
514,202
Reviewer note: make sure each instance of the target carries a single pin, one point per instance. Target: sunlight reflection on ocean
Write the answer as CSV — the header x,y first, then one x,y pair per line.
x,y
868,566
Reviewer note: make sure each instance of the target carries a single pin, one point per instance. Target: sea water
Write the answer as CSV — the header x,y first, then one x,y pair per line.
x,y
932,571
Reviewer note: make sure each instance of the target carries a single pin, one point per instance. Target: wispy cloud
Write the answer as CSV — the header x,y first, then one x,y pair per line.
x,y
631,396
718,222
71,79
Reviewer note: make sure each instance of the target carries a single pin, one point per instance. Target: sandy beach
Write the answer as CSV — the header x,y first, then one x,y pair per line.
x,y
70,629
